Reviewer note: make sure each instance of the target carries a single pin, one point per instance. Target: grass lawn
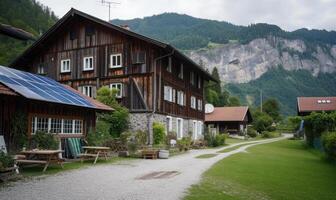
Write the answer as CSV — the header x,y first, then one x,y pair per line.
x,y
232,148
278,170
53,169
210,155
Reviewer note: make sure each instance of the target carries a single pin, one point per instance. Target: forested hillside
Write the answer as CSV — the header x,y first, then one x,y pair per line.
x,y
28,15
186,32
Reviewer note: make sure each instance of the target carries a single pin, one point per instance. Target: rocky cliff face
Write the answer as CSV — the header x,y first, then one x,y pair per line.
x,y
241,63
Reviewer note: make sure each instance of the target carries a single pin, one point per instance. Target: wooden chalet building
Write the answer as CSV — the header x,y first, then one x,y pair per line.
x,y
307,105
156,82
233,120
45,105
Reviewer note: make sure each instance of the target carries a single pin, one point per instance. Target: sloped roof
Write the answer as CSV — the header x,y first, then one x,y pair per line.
x,y
36,87
228,114
310,104
73,12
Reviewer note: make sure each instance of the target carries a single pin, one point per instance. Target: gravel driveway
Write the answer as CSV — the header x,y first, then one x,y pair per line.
x,y
137,179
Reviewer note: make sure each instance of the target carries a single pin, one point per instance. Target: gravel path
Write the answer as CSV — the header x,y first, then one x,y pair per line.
x,y
136,179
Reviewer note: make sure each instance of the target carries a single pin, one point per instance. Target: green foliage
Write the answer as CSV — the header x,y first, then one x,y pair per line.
x,y
19,128
28,15
272,108
141,137
119,118
170,136
6,160
100,136
234,101
293,84
268,134
215,141
251,132
214,93
329,144
184,143
43,140
294,122
158,133
262,121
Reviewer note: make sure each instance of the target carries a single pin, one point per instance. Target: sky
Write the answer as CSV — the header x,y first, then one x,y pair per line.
x,y
288,14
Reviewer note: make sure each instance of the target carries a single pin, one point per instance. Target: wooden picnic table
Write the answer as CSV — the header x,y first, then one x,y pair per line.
x,y
45,157
94,152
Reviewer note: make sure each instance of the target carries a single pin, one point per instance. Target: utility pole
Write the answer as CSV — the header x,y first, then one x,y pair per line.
x,y
108,4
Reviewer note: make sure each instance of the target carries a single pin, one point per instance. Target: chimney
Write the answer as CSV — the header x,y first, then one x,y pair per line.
x,y
125,27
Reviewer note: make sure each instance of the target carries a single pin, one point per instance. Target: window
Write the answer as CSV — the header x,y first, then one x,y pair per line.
x,y
192,78
73,35
89,30
40,69
87,90
87,63
179,128
169,66
118,86
200,128
168,93
116,61
169,124
199,104
199,82
55,126
65,66
194,132
180,73
174,96
193,102
180,98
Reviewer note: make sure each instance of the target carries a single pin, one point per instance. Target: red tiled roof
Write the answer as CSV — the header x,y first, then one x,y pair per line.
x,y
5,90
227,114
97,104
310,104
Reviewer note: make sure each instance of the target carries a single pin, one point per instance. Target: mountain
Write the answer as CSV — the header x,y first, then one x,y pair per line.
x,y
28,15
282,64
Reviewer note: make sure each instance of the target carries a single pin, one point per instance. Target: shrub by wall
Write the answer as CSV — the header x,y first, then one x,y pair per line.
x,y
158,133
329,144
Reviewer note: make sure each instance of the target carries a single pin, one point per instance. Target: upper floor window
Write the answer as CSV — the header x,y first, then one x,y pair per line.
x,y
116,60
192,78
87,90
73,35
180,98
180,72
119,87
65,66
138,57
169,66
199,105
193,102
168,93
89,30
40,69
87,63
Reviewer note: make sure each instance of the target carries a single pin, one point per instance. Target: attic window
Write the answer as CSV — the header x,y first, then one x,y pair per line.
x,y
73,35
89,30
323,101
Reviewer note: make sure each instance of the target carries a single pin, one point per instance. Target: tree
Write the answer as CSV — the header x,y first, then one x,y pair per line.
x,y
262,122
234,101
119,118
272,108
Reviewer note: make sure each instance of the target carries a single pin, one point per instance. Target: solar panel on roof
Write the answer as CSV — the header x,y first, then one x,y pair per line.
x,y
38,87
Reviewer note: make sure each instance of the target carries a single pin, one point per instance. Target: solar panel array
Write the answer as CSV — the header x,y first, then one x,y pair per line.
x,y
38,87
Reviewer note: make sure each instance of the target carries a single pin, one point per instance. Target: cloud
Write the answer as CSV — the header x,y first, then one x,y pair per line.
x,y
288,14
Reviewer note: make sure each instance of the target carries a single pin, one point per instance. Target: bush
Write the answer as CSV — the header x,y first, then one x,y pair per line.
x,y
18,126
158,133
215,141
43,140
251,132
101,135
329,144
262,122
294,122
184,143
268,134
141,137
6,160
170,136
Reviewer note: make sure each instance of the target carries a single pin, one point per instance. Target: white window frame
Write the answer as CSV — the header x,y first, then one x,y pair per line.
x,y
87,90
180,98
179,131
40,69
116,56
85,67
120,92
35,121
199,104
193,102
194,130
200,128
170,124
63,69
168,93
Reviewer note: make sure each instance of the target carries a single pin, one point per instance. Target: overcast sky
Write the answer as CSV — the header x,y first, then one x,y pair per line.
x,y
288,14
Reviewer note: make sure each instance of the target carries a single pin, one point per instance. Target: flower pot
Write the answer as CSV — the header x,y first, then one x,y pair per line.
x,y
164,154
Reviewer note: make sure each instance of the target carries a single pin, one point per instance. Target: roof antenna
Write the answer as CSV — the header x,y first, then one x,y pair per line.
x,y
108,4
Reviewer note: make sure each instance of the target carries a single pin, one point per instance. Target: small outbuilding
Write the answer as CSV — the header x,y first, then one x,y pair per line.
x,y
233,120
306,105
39,103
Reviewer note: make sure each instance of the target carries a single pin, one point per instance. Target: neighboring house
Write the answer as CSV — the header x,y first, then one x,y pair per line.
x,y
228,119
48,106
156,82
306,105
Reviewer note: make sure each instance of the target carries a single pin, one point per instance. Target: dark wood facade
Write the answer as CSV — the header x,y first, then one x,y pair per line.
x,y
143,71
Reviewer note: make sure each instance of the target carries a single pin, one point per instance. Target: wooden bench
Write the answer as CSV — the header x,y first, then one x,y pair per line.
x,y
94,152
152,154
44,157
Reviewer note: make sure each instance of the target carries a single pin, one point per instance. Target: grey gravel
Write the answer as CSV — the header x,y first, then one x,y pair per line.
x,y
121,180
